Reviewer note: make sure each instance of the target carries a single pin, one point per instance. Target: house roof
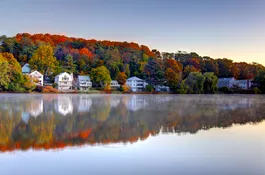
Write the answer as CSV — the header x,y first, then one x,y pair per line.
x,y
244,81
62,74
114,81
134,78
35,72
26,68
83,78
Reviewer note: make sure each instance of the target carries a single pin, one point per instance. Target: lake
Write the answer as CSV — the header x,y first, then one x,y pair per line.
x,y
66,134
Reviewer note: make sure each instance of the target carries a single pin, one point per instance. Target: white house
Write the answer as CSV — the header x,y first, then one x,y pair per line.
x,y
64,80
136,84
244,84
84,82
25,69
227,82
114,84
37,77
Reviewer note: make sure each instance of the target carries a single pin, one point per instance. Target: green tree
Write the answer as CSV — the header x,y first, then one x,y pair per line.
x,y
210,84
153,72
70,66
44,60
260,80
15,74
195,82
100,76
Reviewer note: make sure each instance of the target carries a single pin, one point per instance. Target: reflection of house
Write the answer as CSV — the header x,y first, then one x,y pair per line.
x,y
36,107
64,80
227,82
84,104
114,101
84,82
37,77
64,105
136,102
136,84
114,84
244,84
25,69
25,117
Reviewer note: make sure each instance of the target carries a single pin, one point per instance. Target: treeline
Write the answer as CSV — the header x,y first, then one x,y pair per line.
x,y
53,54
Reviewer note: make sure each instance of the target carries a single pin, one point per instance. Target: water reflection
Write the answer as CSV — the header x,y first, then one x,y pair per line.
x,y
56,121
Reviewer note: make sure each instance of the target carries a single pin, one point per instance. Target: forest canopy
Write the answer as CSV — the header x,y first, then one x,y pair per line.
x,y
80,56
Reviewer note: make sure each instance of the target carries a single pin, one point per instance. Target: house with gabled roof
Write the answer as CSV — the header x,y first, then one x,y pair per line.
x,y
36,77
84,82
114,84
136,84
64,80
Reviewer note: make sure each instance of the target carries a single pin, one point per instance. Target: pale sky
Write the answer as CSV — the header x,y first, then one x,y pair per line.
x,y
233,29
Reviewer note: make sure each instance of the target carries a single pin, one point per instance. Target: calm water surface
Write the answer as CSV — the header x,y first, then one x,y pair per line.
x,y
132,134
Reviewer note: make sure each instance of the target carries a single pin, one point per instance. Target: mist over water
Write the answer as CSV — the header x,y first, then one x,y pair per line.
x,y
132,134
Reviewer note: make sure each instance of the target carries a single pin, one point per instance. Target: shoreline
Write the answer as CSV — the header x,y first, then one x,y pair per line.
x,y
127,93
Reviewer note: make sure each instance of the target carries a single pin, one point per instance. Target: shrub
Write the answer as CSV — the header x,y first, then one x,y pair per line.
x,y
54,85
225,90
125,88
49,89
107,88
256,90
149,88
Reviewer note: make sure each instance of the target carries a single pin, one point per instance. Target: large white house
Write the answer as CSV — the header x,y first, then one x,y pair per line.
x,y
37,77
136,84
25,69
84,82
64,80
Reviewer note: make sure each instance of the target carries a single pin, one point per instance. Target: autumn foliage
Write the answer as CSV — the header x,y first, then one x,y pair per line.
x,y
48,89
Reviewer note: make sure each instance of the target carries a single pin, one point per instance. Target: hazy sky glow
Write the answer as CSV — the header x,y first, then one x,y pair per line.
x,y
234,29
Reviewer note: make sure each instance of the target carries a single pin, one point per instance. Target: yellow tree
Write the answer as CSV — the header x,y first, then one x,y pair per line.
x,y
4,78
44,60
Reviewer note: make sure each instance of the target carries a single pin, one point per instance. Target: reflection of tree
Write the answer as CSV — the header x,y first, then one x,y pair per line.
x,y
101,109
7,125
112,123
42,129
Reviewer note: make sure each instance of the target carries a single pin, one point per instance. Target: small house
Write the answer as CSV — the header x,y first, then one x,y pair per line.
x,y
114,84
84,82
160,88
227,82
245,84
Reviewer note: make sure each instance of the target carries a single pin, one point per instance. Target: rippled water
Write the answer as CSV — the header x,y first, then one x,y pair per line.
x,y
132,134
